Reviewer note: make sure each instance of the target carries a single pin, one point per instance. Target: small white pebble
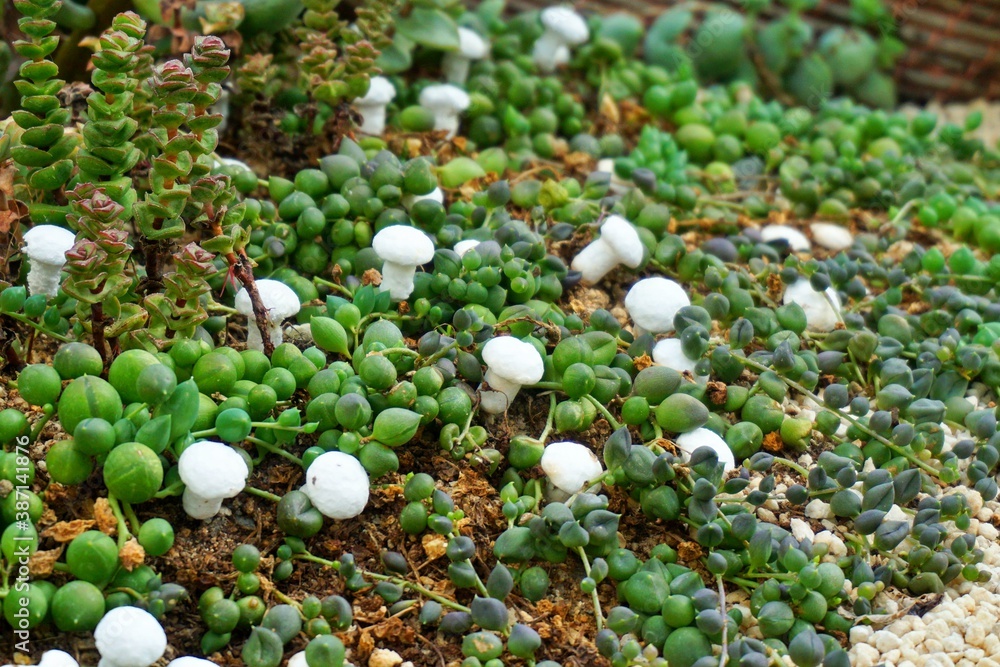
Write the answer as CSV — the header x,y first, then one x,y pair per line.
x,y
885,641
817,509
831,236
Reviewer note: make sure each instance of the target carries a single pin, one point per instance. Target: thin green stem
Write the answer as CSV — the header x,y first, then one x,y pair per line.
x,y
123,532
598,614
615,424
274,449
38,327
254,491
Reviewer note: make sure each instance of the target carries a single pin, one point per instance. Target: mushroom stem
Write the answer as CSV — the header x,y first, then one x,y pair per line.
x,y
456,67
372,118
546,51
595,261
397,279
499,396
43,278
446,121
200,508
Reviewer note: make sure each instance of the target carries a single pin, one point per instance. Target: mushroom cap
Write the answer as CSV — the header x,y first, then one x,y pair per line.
x,y
401,244
57,658
470,44
48,244
652,303
277,297
514,360
130,637
297,660
703,437
565,22
380,91
444,97
337,485
212,470
796,240
821,315
570,466
623,237
465,246
190,661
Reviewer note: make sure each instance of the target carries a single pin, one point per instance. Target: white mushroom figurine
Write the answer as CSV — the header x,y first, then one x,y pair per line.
x,y
822,309
618,244
563,28
456,63
446,102
46,247
510,364
402,249
570,466
129,637
190,661
652,304
465,246
211,472
337,485
280,302
703,437
372,105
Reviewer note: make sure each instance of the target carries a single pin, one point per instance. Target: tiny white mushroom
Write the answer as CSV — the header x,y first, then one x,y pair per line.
x,y
446,102
297,660
129,637
669,352
703,437
372,105
652,304
402,249
618,243
831,236
56,658
510,364
465,246
410,200
570,466
281,303
456,63
211,472
337,485
46,246
563,28
795,239
822,309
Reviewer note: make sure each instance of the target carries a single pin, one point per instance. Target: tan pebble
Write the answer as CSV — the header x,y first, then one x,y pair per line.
x,y
975,655
865,655
991,644
938,629
933,646
860,634
382,657
885,641
988,662
915,637
765,514
954,643
986,530
975,635
892,657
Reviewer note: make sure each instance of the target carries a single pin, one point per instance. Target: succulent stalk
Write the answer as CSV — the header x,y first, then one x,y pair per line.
x,y
44,148
159,215
96,267
109,154
179,306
